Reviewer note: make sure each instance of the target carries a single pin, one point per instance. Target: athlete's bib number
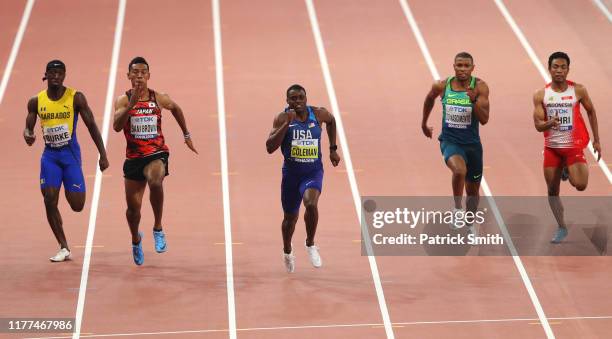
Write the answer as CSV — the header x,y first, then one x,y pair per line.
x,y
57,136
144,127
305,150
458,116
566,118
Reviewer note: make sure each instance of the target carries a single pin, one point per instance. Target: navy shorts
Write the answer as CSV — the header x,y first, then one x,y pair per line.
x,y
294,185
471,154
62,165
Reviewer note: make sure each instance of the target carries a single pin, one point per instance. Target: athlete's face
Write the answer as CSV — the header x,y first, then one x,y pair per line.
x,y
139,74
297,100
463,68
558,70
55,76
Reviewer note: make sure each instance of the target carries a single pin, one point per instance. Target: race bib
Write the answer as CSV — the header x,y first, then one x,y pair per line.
x,y
305,150
458,116
566,118
57,136
143,127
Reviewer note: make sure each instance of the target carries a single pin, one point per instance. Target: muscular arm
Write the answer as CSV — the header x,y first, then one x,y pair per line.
x,y
30,122
586,102
122,107
481,106
279,129
324,116
82,107
165,102
539,116
428,104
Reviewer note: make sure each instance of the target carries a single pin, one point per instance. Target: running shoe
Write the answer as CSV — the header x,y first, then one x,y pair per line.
x,y
137,251
62,255
559,235
313,255
160,241
289,260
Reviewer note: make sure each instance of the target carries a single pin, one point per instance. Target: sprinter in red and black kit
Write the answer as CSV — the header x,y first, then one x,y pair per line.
x,y
138,114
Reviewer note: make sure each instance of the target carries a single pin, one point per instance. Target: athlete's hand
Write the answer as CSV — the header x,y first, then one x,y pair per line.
x,y
135,94
334,157
472,93
29,137
428,131
189,144
597,149
103,163
554,122
290,115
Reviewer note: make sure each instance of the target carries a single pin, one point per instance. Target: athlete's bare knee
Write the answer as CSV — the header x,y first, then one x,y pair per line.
x,y
581,186
77,206
553,191
459,172
50,199
155,183
310,205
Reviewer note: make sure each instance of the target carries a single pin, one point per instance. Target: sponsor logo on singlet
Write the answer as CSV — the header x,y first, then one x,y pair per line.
x,y
304,148
56,135
143,127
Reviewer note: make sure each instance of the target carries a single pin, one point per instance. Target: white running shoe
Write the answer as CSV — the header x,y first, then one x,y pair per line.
x,y
313,254
62,255
289,260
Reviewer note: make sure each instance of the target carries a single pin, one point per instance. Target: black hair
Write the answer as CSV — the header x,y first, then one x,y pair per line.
x,y
138,60
464,55
558,55
295,87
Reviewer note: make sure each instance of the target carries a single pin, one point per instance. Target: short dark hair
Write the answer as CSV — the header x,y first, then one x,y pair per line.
x,y
558,55
138,60
464,55
295,87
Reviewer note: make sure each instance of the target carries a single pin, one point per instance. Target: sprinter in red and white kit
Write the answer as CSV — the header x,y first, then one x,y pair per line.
x,y
557,114
138,115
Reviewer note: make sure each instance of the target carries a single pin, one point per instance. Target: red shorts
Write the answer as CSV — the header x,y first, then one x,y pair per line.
x,y
557,157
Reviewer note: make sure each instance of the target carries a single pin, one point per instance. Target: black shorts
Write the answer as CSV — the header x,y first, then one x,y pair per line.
x,y
133,169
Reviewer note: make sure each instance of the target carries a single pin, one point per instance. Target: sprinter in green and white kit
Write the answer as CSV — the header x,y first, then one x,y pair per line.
x,y
465,106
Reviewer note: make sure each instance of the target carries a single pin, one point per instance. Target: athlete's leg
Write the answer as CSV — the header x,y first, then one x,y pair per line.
x,y
155,172
553,182
74,184
579,175
51,196
288,227
134,191
456,164
311,216
473,176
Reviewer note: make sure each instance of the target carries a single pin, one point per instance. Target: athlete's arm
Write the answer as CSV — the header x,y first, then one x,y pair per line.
x,y
28,133
539,116
430,100
481,105
585,99
165,102
323,115
279,129
81,106
123,105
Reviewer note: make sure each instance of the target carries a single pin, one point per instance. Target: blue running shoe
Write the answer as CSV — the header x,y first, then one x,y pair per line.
x,y
559,235
160,241
137,251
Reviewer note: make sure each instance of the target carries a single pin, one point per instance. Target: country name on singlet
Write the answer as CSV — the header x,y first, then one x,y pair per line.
x,y
55,115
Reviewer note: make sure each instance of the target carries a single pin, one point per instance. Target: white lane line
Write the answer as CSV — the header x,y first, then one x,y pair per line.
x,y
108,107
604,9
534,59
485,187
348,162
25,17
227,224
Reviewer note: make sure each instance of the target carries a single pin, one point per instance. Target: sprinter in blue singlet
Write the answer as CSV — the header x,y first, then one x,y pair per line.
x,y
297,131
465,106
